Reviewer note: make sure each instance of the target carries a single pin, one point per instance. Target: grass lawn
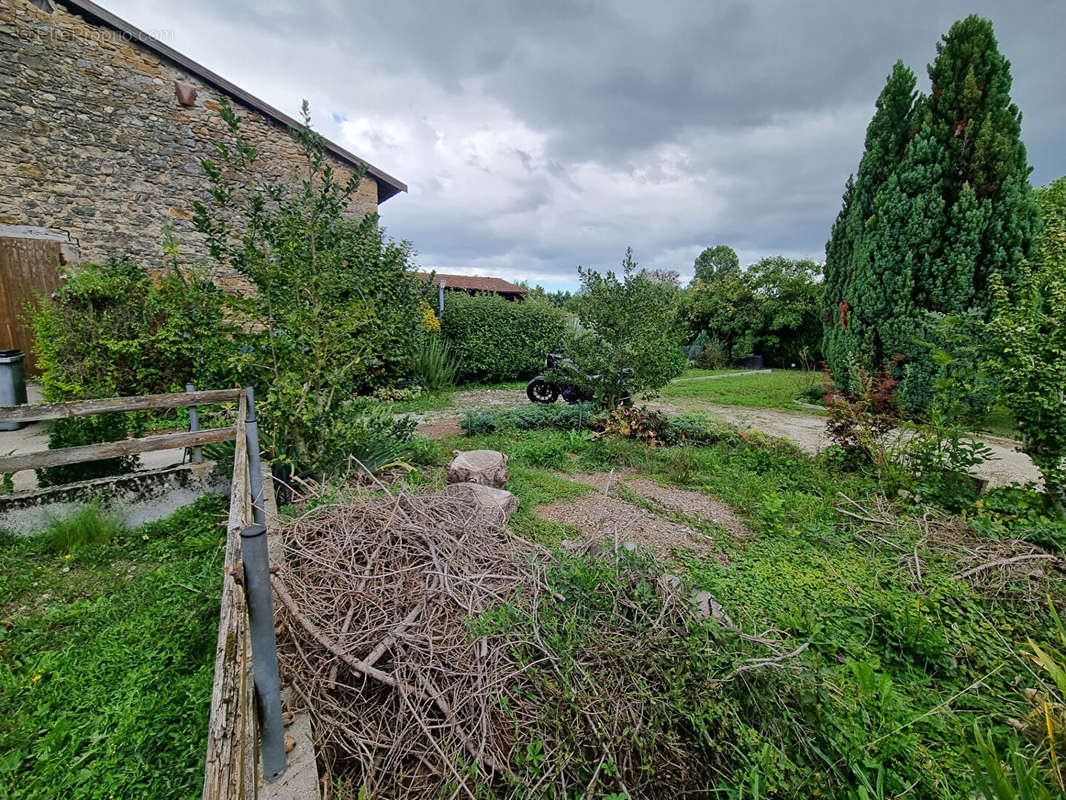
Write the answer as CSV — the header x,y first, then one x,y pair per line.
x,y
777,389
902,661
107,660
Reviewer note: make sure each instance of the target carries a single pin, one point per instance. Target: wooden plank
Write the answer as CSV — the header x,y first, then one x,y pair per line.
x,y
29,268
106,405
127,447
228,767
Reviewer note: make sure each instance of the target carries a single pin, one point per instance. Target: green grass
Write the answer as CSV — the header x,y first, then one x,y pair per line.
x,y
884,693
107,660
87,526
693,372
1000,422
778,389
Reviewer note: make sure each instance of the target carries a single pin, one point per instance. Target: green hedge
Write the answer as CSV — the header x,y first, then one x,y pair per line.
x,y
493,339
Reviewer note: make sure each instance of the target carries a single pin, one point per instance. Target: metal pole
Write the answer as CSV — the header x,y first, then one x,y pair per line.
x,y
256,563
196,453
255,468
440,299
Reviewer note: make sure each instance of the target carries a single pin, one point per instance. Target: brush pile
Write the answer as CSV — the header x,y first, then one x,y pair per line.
x,y
417,633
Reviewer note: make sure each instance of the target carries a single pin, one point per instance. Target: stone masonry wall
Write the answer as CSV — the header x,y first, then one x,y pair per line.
x,y
94,141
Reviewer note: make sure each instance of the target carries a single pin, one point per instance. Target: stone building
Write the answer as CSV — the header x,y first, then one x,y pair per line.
x,y
102,129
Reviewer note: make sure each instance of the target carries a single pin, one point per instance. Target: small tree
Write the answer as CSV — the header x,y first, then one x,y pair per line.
x,y
336,308
629,325
1028,342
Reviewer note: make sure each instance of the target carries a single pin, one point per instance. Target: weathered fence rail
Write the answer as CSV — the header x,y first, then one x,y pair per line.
x,y
105,405
232,768
127,447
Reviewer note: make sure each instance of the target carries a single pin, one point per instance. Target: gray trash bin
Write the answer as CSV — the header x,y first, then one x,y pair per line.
x,y
12,385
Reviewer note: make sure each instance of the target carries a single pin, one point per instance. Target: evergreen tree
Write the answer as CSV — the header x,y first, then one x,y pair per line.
x,y
939,213
853,301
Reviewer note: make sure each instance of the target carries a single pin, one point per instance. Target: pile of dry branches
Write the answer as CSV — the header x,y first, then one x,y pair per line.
x,y
994,567
409,698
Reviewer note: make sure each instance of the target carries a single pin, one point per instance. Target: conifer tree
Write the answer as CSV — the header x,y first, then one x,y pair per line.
x,y
852,305
953,210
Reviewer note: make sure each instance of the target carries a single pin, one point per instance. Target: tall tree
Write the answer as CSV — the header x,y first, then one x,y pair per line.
x,y
717,262
853,297
954,210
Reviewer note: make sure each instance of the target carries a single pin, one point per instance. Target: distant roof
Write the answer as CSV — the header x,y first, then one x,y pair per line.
x,y
387,185
474,283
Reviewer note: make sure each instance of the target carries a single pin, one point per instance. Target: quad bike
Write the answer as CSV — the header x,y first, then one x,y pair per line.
x,y
569,382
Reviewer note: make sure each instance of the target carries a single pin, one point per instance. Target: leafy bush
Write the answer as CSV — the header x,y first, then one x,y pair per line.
x,y
398,394
336,309
493,339
630,338
1027,338
858,425
433,365
579,416
114,330
364,436
715,355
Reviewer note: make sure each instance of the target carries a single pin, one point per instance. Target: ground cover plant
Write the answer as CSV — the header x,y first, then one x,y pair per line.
x,y
915,632
107,656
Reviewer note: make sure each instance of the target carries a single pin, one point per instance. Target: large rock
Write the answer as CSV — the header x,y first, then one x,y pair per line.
x,y
487,467
496,504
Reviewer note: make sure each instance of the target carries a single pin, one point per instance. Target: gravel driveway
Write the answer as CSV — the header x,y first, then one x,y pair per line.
x,y
806,430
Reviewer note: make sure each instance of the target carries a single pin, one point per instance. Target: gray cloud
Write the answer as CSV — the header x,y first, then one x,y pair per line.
x,y
537,136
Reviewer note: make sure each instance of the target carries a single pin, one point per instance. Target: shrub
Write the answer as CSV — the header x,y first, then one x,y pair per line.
x,y
1027,337
363,436
631,341
493,339
715,355
579,416
433,365
114,330
336,309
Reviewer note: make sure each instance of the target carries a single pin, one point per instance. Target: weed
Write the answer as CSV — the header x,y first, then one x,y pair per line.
x,y
90,525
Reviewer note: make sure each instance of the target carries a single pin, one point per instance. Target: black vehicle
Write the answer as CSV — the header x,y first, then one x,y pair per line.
x,y
568,382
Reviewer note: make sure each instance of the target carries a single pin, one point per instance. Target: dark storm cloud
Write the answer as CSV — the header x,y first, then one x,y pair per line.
x,y
539,135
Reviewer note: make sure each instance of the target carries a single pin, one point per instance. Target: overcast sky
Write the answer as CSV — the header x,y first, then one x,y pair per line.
x,y
536,135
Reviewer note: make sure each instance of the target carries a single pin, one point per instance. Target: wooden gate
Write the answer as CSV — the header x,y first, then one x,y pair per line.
x,y
28,268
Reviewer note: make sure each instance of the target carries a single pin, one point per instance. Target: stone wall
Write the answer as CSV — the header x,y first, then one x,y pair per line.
x,y
94,141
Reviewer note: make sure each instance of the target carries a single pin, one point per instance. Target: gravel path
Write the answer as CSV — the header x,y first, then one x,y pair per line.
x,y
806,430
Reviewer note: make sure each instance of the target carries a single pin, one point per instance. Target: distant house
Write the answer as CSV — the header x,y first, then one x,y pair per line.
x,y
473,284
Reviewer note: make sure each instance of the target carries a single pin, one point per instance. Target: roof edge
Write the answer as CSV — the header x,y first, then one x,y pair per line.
x,y
387,184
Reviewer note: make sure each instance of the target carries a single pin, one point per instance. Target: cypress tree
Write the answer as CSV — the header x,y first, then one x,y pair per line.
x,y
953,210
850,312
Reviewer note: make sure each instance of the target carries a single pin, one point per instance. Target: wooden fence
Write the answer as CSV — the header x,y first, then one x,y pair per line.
x,y
231,768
